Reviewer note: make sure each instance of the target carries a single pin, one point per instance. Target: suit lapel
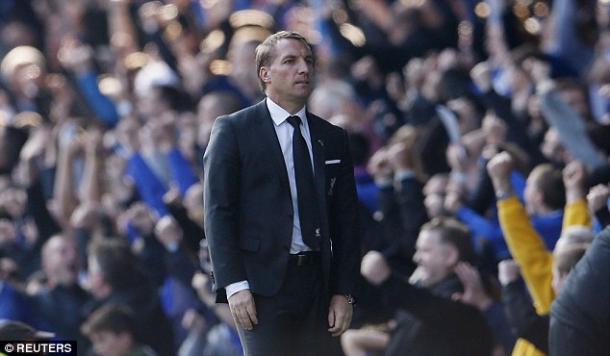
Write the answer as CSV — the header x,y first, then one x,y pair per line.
x,y
271,143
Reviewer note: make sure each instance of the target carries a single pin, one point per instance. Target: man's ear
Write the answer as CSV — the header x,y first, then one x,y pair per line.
x,y
538,198
452,256
125,338
263,74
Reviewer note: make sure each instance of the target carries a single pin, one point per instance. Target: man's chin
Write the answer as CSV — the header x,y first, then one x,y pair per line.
x,y
303,90
300,96
419,278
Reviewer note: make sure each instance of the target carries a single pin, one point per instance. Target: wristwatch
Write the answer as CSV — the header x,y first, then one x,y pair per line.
x,y
503,194
350,299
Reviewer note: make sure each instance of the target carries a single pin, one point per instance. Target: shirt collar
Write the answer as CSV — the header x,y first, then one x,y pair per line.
x,y
279,114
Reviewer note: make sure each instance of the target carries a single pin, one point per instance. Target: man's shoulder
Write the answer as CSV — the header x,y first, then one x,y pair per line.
x,y
244,114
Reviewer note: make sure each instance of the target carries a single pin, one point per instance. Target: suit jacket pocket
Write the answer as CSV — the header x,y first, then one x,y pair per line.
x,y
250,244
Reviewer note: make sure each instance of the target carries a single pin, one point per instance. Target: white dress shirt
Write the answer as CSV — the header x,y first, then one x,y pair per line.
x,y
284,132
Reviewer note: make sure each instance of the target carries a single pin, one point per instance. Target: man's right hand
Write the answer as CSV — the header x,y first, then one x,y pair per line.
x,y
379,165
374,268
243,309
499,169
598,197
574,177
508,272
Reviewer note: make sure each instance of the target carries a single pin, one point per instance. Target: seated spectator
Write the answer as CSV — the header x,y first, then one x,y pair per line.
x,y
115,277
112,331
61,301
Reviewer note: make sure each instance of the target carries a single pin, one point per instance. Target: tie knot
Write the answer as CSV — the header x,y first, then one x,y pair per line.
x,y
295,121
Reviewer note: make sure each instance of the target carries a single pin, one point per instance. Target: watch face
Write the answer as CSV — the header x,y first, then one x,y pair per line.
x,y
350,299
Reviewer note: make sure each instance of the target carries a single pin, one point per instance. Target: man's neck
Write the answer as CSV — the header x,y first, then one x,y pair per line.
x,y
291,106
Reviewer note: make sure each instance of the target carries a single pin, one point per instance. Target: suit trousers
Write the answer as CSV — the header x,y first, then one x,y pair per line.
x,y
294,322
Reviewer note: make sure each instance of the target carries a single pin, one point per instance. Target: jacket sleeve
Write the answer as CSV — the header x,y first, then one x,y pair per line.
x,y
221,203
603,217
450,320
346,239
576,213
421,303
404,223
101,104
529,251
522,317
478,225
149,186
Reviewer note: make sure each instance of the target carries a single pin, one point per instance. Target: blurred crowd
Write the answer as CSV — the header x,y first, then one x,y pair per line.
x,y
480,132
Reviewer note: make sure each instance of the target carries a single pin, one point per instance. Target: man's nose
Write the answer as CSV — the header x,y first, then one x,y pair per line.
x,y
416,257
303,66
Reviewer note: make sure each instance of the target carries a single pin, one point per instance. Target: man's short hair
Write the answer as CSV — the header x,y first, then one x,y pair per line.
x,y
111,318
455,233
265,52
549,182
116,261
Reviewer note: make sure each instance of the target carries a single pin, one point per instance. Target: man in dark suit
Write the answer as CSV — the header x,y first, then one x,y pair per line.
x,y
281,212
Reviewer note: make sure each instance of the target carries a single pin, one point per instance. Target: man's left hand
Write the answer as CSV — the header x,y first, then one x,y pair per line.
x,y
339,314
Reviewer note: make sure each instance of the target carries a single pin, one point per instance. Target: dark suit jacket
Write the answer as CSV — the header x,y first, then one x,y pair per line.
x,y
248,206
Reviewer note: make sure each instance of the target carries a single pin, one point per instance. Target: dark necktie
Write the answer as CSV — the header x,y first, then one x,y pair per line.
x,y
306,189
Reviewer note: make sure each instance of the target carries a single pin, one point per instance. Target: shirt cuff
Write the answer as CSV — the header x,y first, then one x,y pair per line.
x,y
236,287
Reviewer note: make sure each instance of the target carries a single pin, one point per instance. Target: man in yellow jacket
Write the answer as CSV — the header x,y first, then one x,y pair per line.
x,y
526,246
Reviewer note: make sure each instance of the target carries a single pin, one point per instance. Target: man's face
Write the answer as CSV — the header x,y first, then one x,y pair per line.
x,y
243,57
434,258
141,218
108,343
194,204
577,100
13,200
466,114
434,205
552,148
60,261
533,195
8,234
289,77
530,196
